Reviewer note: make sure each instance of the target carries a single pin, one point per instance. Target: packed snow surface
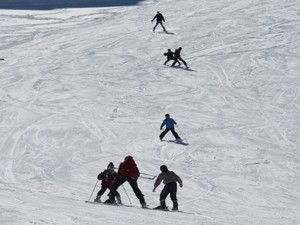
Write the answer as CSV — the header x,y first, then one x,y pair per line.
x,y
84,85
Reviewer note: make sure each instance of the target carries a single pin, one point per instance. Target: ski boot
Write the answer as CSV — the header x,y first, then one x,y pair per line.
x,y
144,205
111,201
119,200
175,205
98,199
162,205
142,201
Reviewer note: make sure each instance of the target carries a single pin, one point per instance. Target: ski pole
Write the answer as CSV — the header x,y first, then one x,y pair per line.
x,y
92,191
147,174
149,178
126,194
181,133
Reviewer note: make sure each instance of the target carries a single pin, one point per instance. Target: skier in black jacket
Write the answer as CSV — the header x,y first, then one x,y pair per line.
x,y
159,20
178,57
170,56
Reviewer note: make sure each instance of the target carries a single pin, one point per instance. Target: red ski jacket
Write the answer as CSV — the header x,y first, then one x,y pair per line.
x,y
107,177
128,168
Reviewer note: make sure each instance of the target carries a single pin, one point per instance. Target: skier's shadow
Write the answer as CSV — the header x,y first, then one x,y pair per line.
x,y
166,32
183,68
176,142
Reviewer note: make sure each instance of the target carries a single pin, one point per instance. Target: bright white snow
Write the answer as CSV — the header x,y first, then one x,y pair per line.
x,y
82,87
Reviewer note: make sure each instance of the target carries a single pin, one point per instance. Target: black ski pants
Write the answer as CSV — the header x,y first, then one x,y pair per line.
x,y
161,136
161,23
172,59
169,188
104,188
177,60
133,183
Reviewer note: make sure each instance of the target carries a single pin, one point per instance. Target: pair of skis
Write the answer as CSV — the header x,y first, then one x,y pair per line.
x,y
132,206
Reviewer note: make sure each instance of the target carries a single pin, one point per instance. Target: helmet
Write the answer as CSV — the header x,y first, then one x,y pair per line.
x,y
128,157
167,115
164,168
110,166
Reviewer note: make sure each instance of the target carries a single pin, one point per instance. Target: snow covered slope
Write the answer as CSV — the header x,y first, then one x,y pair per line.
x,y
82,87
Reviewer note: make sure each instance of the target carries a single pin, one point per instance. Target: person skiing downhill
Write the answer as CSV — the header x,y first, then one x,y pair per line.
x,y
170,56
169,123
128,171
178,57
159,20
169,178
108,176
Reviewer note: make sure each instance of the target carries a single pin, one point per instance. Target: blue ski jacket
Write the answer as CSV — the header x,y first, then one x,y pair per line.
x,y
169,123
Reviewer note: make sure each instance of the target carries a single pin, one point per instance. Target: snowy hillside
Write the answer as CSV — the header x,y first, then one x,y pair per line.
x,y
81,87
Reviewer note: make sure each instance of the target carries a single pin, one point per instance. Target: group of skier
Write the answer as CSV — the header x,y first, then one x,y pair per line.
x,y
175,56
170,55
129,172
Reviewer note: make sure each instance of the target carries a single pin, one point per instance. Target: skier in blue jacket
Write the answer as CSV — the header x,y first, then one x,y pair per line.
x,y
169,123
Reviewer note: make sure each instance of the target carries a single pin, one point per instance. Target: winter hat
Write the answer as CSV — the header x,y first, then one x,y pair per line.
x,y
164,168
128,157
110,165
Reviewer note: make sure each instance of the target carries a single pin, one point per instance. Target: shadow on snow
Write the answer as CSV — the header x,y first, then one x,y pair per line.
x,y
176,142
56,4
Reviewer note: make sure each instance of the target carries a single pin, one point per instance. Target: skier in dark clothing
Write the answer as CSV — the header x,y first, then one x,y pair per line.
x,y
170,56
169,122
178,57
129,172
169,178
159,20
108,176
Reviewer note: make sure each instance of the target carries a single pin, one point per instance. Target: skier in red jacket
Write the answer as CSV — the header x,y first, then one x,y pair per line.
x,y
129,172
108,177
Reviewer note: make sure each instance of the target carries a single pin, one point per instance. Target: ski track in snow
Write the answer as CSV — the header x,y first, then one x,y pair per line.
x,y
82,87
